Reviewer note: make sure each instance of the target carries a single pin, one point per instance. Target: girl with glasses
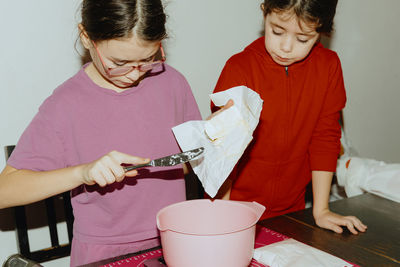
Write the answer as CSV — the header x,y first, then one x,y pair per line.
x,y
298,136
123,102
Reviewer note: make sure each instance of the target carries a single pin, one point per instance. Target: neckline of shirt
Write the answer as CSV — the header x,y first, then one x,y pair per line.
x,y
258,46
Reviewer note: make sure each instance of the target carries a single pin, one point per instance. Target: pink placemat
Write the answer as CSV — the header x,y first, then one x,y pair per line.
x,y
264,236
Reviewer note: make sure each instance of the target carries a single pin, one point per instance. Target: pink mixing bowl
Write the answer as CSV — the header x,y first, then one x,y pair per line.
x,y
208,233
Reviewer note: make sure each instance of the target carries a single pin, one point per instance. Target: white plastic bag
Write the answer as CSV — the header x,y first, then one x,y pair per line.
x,y
359,175
290,252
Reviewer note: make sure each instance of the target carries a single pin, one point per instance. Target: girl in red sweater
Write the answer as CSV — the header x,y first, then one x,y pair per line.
x,y
298,136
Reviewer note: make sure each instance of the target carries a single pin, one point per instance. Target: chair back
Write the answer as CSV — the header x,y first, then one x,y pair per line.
x,y
54,215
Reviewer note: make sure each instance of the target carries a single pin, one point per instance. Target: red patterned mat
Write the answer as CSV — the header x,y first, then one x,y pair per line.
x,y
264,236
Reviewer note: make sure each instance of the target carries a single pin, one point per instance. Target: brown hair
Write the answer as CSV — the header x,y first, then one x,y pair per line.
x,y
321,12
110,19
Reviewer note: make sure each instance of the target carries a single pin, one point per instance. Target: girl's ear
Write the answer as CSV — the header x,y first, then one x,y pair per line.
x,y
262,6
84,36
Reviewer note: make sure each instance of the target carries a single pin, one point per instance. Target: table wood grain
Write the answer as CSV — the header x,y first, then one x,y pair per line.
x,y
378,246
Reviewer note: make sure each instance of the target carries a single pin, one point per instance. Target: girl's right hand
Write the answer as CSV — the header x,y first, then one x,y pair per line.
x,y
108,169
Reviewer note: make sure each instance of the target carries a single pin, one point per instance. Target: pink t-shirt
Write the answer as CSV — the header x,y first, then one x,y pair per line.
x,y
81,122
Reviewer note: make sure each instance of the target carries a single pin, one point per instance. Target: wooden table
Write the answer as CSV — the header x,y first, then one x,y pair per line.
x,y
378,246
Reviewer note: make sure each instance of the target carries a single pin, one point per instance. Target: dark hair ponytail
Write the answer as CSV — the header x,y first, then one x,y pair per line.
x,y
110,19
321,12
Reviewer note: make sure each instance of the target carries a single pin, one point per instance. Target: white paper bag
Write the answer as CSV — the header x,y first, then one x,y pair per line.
x,y
224,137
292,253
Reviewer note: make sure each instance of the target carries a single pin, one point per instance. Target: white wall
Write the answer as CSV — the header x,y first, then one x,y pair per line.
x,y
204,34
367,40
37,53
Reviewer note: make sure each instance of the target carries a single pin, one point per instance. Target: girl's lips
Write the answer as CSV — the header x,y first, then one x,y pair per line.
x,y
282,59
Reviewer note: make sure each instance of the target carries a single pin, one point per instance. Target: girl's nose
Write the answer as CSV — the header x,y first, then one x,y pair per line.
x,y
287,45
133,75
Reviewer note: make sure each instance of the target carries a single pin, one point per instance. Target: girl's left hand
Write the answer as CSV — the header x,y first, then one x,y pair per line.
x,y
227,105
333,221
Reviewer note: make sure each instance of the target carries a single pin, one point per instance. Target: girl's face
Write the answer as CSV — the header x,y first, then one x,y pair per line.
x,y
121,53
114,53
287,39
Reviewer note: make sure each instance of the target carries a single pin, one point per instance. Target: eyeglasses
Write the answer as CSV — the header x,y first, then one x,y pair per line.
x,y
123,70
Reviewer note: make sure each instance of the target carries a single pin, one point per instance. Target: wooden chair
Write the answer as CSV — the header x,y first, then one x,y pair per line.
x,y
194,188
53,214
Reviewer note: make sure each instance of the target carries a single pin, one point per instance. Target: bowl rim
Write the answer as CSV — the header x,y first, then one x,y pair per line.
x,y
186,202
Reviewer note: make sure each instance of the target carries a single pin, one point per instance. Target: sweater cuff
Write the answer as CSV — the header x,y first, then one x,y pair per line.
x,y
323,162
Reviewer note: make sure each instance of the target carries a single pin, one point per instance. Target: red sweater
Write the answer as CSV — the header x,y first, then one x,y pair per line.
x,y
299,128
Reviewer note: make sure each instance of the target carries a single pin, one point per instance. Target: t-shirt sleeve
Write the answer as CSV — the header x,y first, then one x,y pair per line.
x,y
191,109
40,147
325,143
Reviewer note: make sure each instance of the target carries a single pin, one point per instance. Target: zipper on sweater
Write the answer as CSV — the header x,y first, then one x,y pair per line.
x,y
288,112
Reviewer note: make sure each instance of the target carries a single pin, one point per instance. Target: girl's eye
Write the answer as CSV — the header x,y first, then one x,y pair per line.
x,y
302,40
119,64
276,33
147,60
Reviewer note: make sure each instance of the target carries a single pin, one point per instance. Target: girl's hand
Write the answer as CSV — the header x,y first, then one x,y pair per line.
x,y
227,105
108,169
333,221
